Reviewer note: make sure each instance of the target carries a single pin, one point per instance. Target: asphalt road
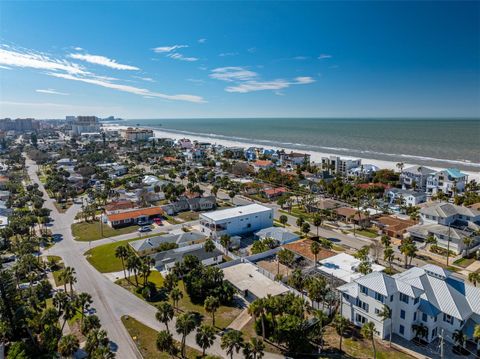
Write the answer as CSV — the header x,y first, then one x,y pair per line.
x,y
110,300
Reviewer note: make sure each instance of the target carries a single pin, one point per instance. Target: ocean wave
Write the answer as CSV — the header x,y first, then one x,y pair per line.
x,y
313,148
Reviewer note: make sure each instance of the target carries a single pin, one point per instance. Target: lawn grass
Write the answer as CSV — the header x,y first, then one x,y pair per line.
x,y
223,317
249,332
154,277
62,207
464,262
103,257
188,216
92,231
145,339
357,347
56,273
366,233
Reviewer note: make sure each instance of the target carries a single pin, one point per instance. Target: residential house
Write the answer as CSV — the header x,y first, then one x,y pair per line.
x,y
165,260
133,216
415,177
351,215
303,248
365,170
404,197
251,283
279,234
236,220
190,204
393,227
272,193
293,158
449,181
146,246
450,225
262,165
185,143
428,296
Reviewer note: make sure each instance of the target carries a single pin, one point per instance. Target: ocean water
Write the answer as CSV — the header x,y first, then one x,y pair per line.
x,y
434,142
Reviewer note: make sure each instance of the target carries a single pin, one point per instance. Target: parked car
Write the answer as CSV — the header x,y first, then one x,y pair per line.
x,y
143,223
157,221
144,229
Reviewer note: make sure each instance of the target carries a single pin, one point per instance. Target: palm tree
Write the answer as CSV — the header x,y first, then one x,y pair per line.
x,y
68,277
385,314
468,242
421,331
388,256
84,301
122,252
317,222
315,249
185,324
232,341
68,345
205,337
474,278
175,295
257,309
209,246
211,305
368,331
476,334
321,318
133,264
254,349
164,313
283,220
341,324
165,343
225,241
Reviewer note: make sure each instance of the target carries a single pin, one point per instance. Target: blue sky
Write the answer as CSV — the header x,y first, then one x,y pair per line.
x,y
231,59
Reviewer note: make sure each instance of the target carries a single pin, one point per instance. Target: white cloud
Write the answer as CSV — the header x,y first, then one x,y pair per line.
x,y
252,50
31,59
180,57
103,61
148,79
197,81
324,56
202,41
223,54
301,58
168,48
51,92
248,81
5,67
78,48
232,73
129,89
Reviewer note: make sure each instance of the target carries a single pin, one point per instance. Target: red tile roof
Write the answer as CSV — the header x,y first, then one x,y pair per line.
x,y
148,211
275,191
303,248
263,163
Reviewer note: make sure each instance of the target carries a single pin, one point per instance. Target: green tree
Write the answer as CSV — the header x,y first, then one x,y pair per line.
x,y
211,305
386,314
254,349
340,324
257,310
300,222
283,220
306,228
186,323
368,331
164,313
225,241
317,222
68,345
204,337
175,295
165,343
122,252
232,341
209,245
315,249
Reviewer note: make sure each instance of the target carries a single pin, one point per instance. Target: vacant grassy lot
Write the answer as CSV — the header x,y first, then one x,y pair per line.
x,y
223,317
154,277
103,257
188,216
366,233
145,339
92,231
464,262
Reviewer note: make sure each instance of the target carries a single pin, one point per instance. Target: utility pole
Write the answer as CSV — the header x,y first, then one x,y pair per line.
x,y
442,345
448,244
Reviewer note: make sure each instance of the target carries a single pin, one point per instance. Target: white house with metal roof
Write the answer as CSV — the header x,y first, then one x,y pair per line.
x,y
429,297
448,181
236,220
415,177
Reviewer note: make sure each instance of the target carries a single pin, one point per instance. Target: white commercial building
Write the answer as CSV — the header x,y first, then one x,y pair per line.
x,y
338,165
136,134
428,297
236,220
85,124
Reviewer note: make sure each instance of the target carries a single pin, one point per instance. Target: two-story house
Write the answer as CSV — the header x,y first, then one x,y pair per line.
x,y
415,177
449,181
428,297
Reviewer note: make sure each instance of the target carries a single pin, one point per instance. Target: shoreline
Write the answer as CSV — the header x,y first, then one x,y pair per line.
x,y
315,155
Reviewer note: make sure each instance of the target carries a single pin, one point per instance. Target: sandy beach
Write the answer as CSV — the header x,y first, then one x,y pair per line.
x,y
315,156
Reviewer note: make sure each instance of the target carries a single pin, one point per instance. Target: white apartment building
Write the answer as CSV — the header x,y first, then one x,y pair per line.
x,y
415,177
428,296
85,124
338,165
236,220
448,181
136,134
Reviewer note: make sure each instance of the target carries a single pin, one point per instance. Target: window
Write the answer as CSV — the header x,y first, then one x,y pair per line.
x,y
404,298
415,316
364,290
362,305
391,298
377,311
360,319
434,333
424,317
402,314
416,300
402,329
379,297
447,318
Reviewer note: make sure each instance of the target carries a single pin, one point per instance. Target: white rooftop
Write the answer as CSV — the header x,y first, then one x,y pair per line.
x,y
246,276
343,266
235,212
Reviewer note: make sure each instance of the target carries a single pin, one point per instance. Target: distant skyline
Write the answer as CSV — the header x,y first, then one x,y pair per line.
x,y
240,59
